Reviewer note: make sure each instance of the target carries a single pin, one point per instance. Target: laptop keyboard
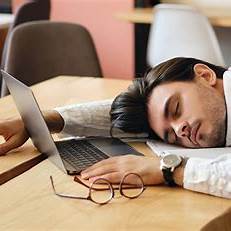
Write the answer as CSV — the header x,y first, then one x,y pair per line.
x,y
80,153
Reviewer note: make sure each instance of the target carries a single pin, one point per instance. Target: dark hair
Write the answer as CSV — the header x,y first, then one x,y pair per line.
x,y
129,109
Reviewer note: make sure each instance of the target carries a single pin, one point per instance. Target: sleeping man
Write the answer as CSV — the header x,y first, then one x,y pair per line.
x,y
182,101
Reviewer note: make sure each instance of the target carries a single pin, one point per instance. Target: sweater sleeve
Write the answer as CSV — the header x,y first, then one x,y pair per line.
x,y
211,176
90,119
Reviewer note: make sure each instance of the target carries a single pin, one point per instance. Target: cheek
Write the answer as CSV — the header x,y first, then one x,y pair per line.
x,y
154,118
192,108
155,122
157,127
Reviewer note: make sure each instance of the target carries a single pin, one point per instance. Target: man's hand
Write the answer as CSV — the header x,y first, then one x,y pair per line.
x,y
14,134
114,168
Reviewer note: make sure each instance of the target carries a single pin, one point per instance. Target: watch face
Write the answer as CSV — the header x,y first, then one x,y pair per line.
x,y
171,160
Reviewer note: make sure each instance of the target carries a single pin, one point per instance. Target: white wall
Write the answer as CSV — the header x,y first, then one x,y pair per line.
x,y
224,38
223,34
207,3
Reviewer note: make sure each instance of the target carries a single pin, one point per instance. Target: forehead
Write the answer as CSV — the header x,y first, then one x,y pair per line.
x,y
162,92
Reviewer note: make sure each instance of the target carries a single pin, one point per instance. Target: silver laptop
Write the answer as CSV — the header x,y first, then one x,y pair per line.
x,y
72,155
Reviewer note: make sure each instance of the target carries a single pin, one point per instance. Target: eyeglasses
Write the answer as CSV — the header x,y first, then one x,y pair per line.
x,y
101,191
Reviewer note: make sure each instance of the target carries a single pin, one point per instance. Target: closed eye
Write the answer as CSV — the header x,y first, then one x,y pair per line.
x,y
177,109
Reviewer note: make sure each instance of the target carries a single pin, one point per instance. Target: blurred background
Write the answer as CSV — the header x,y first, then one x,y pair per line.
x,y
120,28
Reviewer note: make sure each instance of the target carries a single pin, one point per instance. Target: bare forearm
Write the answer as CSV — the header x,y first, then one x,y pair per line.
x,y
54,121
178,175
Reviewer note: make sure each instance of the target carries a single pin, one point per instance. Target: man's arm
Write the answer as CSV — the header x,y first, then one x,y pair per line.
x,y
147,167
85,119
201,175
210,176
178,175
54,121
90,119
76,120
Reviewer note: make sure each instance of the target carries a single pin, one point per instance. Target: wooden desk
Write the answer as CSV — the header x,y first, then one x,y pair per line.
x,y
28,203
217,17
65,90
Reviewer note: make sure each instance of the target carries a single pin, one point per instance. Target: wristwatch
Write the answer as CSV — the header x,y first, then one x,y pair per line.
x,y
168,164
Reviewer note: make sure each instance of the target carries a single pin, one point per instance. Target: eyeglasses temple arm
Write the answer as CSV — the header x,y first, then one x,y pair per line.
x,y
65,196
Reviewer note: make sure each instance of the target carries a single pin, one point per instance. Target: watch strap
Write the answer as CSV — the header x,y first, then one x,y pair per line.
x,y
168,174
168,177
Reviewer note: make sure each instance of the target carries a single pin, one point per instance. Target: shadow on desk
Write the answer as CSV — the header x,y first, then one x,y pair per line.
x,y
19,169
222,222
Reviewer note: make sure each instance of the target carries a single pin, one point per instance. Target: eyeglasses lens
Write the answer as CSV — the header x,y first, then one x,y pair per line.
x,y
132,186
101,196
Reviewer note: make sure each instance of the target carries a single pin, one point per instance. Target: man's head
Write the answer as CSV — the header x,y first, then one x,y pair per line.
x,y
180,101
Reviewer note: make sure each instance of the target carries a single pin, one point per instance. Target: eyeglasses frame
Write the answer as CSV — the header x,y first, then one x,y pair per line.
x,y
111,188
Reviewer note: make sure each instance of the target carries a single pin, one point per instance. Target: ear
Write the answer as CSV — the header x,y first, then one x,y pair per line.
x,y
203,72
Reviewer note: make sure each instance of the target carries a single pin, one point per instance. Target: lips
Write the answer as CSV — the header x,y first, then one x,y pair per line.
x,y
193,135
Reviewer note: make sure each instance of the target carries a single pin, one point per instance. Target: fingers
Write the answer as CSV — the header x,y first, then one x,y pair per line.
x,y
119,160
99,170
116,177
113,177
100,164
115,168
3,128
5,147
113,164
14,133
11,143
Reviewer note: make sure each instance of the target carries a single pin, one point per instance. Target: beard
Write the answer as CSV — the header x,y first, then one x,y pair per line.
x,y
217,137
215,109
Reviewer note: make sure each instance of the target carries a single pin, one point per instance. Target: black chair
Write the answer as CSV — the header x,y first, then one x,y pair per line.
x,y
5,6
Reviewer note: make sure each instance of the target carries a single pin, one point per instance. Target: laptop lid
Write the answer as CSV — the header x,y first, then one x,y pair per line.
x,y
33,119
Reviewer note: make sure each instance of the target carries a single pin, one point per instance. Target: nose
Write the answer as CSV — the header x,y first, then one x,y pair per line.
x,y
182,129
